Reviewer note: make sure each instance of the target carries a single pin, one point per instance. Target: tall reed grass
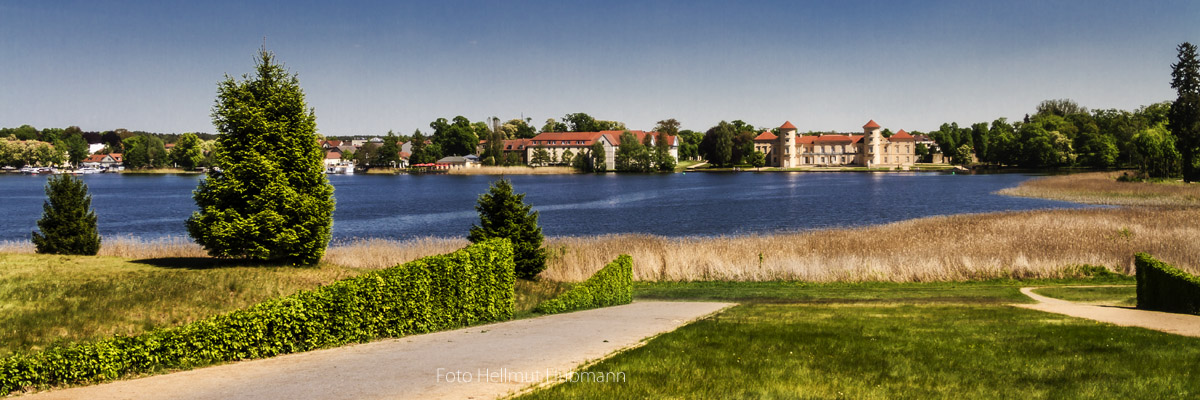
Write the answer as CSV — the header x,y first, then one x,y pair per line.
x,y
1104,188
1028,244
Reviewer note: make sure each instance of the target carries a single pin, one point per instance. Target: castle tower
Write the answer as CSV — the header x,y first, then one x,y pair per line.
x,y
873,139
787,145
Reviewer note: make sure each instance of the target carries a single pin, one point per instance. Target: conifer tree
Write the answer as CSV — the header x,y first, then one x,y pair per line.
x,y
1184,116
68,224
268,198
503,214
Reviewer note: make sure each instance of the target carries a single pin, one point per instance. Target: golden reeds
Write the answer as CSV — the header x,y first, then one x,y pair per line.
x,y
1028,244
1104,188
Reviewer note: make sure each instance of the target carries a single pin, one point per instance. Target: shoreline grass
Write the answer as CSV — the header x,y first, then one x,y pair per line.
x,y
1122,296
1104,188
1007,245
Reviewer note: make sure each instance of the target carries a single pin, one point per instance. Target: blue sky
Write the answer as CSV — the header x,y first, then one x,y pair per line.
x,y
368,67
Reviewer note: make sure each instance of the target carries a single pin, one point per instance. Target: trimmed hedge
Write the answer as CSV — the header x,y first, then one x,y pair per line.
x,y
610,286
468,286
1162,287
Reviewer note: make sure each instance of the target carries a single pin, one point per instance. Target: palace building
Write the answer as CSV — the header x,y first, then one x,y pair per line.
x,y
870,149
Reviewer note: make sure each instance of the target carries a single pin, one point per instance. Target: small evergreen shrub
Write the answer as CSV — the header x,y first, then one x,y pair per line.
x,y
610,286
68,224
504,214
1162,287
469,286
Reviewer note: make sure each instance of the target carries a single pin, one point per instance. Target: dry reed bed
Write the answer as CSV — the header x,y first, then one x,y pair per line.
x,y
1103,188
1030,244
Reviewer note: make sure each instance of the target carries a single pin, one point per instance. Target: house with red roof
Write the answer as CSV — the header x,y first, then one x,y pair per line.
x,y
113,160
870,149
559,143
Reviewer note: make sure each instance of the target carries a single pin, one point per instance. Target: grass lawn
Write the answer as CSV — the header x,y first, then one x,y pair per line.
x,y
991,291
1125,296
50,299
883,351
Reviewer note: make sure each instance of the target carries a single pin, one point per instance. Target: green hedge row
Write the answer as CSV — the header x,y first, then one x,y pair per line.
x,y
465,287
1163,287
610,286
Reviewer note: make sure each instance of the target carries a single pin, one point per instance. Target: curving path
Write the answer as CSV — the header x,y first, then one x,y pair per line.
x,y
500,359
1179,324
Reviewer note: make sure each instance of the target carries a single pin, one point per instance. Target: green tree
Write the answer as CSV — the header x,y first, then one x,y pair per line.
x,y
1184,117
457,137
68,224
580,122
757,159
553,125
631,154
599,160
540,156
271,201
1060,107
1156,154
717,146
77,148
422,152
187,153
513,159
503,214
567,156
388,154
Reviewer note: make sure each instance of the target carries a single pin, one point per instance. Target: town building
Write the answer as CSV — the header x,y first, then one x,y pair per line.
x,y
113,160
558,143
871,149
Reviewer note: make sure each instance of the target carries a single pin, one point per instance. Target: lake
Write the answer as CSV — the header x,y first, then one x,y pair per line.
x,y
406,206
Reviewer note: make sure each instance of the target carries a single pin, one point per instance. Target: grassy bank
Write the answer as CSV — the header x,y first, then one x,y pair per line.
x,y
883,351
1015,245
1104,188
1123,296
49,299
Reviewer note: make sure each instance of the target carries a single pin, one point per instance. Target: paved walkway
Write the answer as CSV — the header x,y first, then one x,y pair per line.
x,y
480,362
1179,324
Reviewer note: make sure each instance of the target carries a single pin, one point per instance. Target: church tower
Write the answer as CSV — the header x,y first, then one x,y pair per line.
x,y
787,145
873,139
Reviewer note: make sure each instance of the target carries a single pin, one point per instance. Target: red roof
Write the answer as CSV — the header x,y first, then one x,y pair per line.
x,y
333,155
787,125
405,155
808,139
116,156
95,158
901,136
766,136
572,138
871,125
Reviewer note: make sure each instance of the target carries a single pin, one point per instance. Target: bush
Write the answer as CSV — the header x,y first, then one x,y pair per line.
x,y
504,214
610,286
268,198
1162,287
68,224
468,286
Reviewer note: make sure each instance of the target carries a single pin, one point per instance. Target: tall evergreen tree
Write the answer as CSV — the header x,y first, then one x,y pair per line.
x,y
271,200
68,224
1184,116
503,214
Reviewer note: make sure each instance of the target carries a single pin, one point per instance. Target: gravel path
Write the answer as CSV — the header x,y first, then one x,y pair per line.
x,y
1179,324
480,362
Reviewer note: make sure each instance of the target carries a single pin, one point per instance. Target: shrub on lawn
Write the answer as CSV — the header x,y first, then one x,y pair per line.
x,y
68,224
1163,287
610,286
468,286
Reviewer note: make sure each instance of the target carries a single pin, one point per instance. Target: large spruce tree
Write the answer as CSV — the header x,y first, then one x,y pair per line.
x,y
504,214
1184,117
267,198
68,224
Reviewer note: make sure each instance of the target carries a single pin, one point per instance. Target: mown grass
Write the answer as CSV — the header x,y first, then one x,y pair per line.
x,y
1125,296
986,292
886,351
49,299
1104,188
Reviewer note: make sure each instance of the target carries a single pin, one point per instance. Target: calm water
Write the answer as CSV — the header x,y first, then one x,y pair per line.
x,y
675,205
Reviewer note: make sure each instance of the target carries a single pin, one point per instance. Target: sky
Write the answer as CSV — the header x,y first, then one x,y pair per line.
x,y
370,67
